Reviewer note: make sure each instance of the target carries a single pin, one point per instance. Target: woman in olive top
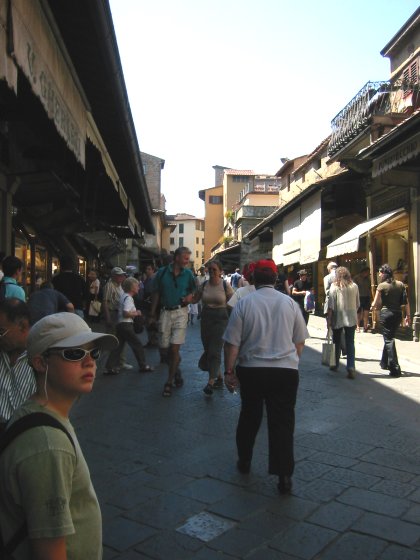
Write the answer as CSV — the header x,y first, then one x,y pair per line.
x,y
214,295
390,296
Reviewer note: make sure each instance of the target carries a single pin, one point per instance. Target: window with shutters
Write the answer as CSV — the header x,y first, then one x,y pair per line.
x,y
410,76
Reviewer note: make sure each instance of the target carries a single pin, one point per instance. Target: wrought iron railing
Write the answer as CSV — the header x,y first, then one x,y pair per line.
x,y
375,98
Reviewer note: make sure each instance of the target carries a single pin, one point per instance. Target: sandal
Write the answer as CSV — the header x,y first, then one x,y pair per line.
x,y
179,381
146,369
167,390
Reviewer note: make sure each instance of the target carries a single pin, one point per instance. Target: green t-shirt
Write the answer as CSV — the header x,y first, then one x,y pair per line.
x,y
43,482
391,295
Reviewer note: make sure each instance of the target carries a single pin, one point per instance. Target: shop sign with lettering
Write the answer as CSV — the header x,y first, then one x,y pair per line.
x,y
396,156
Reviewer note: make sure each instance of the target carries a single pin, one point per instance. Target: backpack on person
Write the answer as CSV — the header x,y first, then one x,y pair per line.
x,y
6,438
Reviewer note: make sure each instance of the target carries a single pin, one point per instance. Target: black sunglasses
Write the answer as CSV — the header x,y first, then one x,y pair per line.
x,y
76,354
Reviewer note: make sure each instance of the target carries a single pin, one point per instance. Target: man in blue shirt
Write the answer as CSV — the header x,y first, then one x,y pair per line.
x,y
12,270
234,279
173,288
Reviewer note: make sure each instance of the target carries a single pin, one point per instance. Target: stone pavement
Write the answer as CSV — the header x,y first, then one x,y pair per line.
x,y
164,469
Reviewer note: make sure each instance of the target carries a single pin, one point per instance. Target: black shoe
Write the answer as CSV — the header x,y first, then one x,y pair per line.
x,y
243,466
383,366
285,484
208,389
395,372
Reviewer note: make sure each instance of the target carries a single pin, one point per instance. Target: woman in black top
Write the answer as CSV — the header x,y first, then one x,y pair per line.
x,y
390,296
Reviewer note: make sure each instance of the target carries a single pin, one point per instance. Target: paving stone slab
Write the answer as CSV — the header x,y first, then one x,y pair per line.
x,y
128,555
265,553
129,497
206,526
267,485
415,496
303,540
206,490
292,506
169,482
413,514
237,542
169,544
165,512
336,516
309,470
352,546
319,490
393,459
240,505
395,552
333,459
385,472
393,488
348,477
206,553
266,524
392,530
331,444
120,533
375,502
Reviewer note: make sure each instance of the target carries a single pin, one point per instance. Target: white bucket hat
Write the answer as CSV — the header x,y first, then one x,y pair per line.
x,y
64,330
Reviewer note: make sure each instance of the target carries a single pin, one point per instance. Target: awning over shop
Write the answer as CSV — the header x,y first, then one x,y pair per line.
x,y
298,238
349,242
310,229
396,156
291,237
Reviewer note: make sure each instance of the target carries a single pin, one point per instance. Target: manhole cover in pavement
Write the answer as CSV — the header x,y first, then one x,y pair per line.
x,y
205,526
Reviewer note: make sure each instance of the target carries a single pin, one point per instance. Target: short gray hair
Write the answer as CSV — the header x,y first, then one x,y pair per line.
x,y
128,283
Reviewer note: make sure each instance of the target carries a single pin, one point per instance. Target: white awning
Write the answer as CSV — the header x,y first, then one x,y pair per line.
x,y
291,237
310,229
349,242
297,239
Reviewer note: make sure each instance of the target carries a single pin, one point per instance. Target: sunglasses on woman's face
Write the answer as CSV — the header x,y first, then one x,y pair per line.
x,y
76,354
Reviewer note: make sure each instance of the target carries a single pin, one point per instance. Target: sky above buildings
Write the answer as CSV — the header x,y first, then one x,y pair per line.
x,y
243,83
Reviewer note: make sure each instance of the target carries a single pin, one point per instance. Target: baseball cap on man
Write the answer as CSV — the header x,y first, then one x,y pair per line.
x,y
264,264
117,271
64,330
303,272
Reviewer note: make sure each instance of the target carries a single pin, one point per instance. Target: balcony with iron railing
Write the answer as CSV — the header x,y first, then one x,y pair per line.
x,y
394,99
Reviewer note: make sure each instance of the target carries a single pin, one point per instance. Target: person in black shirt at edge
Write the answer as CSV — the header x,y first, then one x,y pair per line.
x,y
300,287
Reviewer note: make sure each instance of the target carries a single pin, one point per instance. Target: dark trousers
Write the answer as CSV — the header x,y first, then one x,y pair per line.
x,y
125,333
389,321
277,388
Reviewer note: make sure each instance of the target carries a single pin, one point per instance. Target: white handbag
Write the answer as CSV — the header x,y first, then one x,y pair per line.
x,y
328,351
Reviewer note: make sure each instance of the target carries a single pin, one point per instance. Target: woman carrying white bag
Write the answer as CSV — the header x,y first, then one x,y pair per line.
x,y
343,303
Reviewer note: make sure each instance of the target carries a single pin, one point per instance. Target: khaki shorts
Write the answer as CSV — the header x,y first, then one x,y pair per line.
x,y
172,326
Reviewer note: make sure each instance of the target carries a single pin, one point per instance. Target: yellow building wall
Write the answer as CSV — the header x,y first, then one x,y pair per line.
x,y
214,216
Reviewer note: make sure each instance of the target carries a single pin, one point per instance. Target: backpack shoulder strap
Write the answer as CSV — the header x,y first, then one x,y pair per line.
x,y
31,421
16,429
224,285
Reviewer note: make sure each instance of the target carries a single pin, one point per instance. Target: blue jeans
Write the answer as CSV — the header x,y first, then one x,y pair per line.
x,y
349,336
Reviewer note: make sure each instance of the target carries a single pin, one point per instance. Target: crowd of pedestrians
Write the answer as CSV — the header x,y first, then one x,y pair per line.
x,y
256,319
